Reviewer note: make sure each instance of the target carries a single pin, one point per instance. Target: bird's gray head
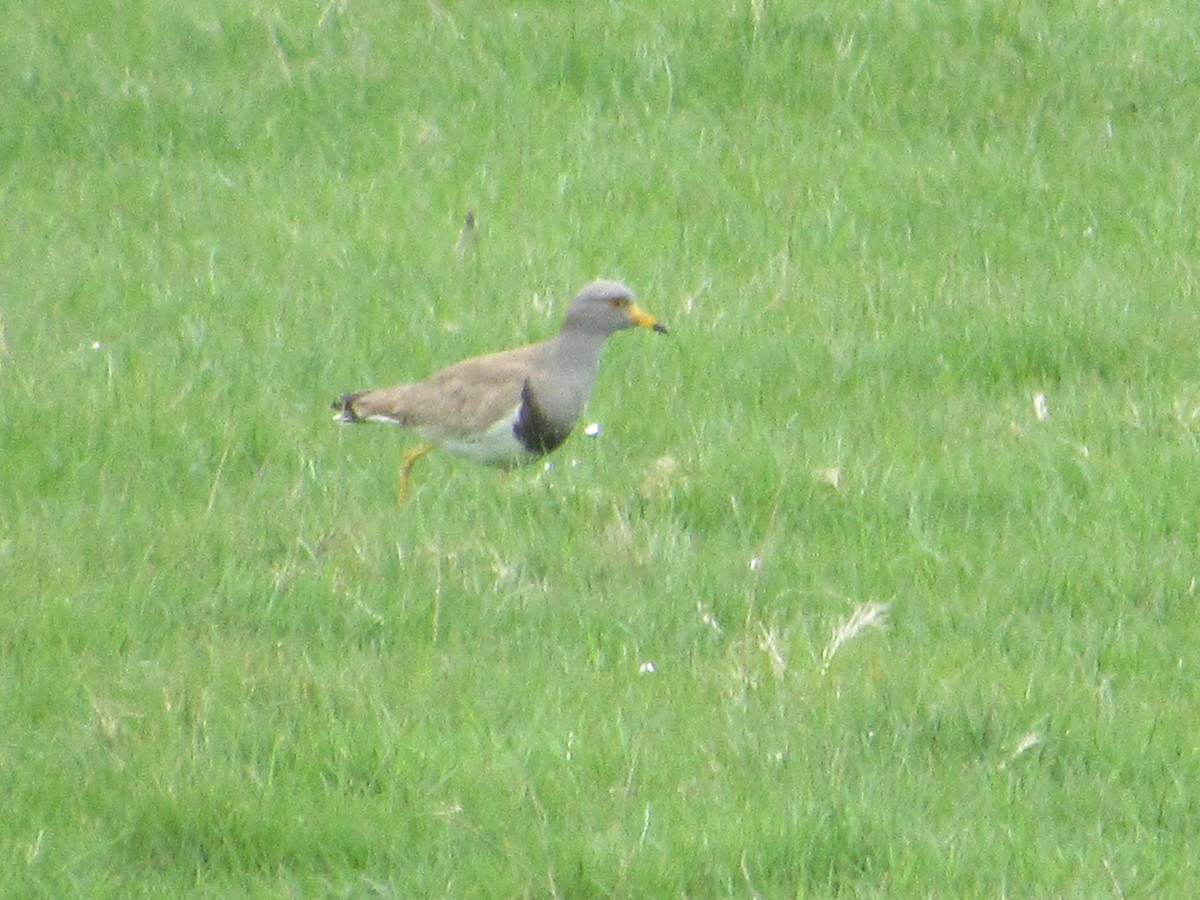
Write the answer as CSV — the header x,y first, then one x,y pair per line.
x,y
607,306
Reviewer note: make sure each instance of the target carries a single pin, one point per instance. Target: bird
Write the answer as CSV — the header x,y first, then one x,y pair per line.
x,y
510,408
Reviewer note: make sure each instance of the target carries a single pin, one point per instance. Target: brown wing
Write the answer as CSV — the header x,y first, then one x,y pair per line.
x,y
461,400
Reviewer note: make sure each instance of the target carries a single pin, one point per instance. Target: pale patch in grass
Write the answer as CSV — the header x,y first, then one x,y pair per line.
x,y
661,480
1041,407
447,809
769,644
34,852
831,476
506,573
110,718
1185,411
1024,745
1118,890
865,615
709,619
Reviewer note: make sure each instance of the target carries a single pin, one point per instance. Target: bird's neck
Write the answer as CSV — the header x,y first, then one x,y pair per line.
x,y
575,360
576,351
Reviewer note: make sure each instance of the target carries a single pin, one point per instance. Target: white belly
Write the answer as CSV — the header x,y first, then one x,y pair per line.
x,y
498,446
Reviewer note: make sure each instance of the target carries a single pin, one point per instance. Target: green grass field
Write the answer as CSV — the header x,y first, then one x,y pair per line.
x,y
881,580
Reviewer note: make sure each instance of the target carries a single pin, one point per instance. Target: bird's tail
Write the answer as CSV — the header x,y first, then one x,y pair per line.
x,y
345,409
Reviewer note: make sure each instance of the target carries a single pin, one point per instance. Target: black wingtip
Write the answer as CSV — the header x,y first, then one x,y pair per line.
x,y
660,328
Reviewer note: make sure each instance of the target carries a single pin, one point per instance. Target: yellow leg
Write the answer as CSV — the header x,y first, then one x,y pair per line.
x,y
410,460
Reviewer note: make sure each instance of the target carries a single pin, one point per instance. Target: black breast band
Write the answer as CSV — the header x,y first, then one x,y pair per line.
x,y
534,429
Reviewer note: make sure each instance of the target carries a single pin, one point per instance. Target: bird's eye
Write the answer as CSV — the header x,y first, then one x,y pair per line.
x,y
618,303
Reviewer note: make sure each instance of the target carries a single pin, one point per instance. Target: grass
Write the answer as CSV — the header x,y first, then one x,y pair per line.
x,y
232,667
